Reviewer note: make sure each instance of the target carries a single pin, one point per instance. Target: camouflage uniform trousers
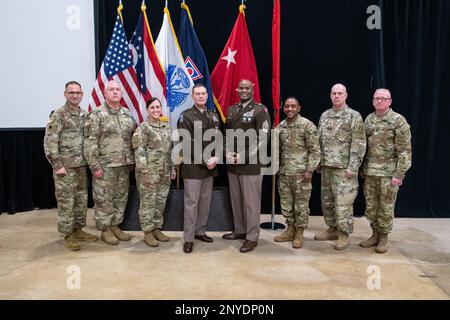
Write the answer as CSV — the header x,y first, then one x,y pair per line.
x,y
337,196
71,195
153,197
294,199
380,197
110,195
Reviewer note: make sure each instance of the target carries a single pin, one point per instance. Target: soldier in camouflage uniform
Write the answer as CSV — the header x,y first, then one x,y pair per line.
x,y
300,155
387,160
343,145
108,151
63,145
152,151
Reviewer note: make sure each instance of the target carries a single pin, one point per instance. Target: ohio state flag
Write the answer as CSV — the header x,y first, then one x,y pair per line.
x,y
235,63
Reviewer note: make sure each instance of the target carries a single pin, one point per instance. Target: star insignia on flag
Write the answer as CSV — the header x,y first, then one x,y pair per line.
x,y
230,57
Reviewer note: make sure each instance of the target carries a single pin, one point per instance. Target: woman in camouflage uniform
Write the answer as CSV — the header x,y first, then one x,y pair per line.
x,y
152,149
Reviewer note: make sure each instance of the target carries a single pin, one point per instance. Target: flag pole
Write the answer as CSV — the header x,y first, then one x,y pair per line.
x,y
276,107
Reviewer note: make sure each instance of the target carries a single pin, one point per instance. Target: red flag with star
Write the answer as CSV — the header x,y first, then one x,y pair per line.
x,y
235,63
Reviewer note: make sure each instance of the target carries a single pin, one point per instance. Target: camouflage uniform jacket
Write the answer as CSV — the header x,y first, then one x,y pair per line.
x,y
152,146
342,139
63,141
299,146
388,145
108,135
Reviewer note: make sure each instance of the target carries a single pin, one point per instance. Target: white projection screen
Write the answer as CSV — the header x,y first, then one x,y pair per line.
x,y
45,44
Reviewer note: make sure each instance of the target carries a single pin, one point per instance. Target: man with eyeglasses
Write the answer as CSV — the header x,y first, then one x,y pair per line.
x,y
387,160
63,145
343,145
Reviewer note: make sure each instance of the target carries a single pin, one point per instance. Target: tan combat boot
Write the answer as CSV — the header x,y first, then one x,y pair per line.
x,y
371,242
84,236
108,236
383,243
342,241
119,234
298,239
70,243
287,235
330,234
149,239
159,235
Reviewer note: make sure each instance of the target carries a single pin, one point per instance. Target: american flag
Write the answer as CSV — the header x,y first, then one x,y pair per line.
x,y
118,66
150,73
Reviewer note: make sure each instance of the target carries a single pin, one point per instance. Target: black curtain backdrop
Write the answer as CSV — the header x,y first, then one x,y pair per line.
x,y
323,42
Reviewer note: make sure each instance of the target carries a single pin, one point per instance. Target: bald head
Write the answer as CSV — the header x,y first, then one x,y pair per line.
x,y
246,81
339,86
245,90
338,96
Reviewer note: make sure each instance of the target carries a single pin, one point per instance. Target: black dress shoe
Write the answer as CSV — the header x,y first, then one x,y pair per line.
x,y
204,238
234,236
188,246
248,246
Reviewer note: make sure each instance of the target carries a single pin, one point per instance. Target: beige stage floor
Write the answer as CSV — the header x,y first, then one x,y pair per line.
x,y
35,265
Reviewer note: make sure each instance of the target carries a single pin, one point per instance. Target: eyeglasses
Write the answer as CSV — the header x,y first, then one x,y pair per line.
x,y
72,93
381,99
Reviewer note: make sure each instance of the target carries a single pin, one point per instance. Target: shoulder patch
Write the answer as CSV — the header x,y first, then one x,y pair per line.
x,y
52,125
404,126
136,139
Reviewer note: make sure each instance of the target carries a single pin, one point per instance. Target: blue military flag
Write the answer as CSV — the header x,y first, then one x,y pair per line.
x,y
193,54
